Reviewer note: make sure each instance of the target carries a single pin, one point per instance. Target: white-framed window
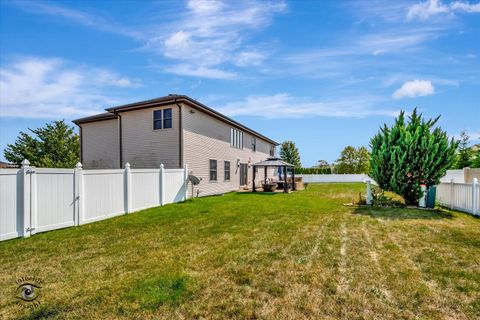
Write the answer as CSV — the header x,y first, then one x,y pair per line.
x,y
236,138
213,170
254,144
272,150
162,119
226,170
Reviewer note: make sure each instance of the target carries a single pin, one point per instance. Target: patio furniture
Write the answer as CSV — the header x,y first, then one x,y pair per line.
x,y
269,187
281,166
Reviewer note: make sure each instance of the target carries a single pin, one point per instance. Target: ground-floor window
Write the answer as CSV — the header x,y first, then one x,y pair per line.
x,y
226,168
213,170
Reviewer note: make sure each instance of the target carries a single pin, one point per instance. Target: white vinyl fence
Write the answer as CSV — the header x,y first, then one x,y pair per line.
x,y
314,178
460,196
40,199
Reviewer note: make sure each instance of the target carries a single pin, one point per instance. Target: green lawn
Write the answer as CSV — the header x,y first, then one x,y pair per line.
x,y
254,256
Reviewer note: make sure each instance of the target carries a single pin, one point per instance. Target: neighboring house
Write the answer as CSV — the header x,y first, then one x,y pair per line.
x,y
465,175
6,165
175,131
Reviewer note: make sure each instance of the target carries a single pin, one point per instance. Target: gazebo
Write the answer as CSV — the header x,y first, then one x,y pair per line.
x,y
274,163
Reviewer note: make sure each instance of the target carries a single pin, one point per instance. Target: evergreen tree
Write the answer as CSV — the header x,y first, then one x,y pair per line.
x,y
410,154
290,154
464,158
54,146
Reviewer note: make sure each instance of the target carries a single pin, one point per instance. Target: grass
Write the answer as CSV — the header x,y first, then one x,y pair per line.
x,y
252,256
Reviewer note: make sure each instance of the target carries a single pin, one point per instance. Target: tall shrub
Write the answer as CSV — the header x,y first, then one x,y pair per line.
x,y
409,154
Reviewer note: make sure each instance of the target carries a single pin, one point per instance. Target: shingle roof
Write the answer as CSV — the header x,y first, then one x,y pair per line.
x,y
96,117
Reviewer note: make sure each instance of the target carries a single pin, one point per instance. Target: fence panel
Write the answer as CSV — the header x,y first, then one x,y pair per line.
x,y
42,199
104,194
145,188
11,221
174,185
462,196
443,193
324,178
459,196
478,200
54,194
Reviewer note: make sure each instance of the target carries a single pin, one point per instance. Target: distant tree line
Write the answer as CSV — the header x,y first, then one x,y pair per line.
x,y
352,160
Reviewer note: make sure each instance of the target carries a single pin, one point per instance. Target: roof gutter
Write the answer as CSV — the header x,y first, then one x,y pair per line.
x,y
81,144
120,143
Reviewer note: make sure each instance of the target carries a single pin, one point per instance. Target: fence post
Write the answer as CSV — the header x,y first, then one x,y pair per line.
x,y
452,187
474,196
185,181
128,188
162,185
26,199
369,192
78,178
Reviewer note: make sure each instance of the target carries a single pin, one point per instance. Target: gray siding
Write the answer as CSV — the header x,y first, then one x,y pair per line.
x,y
100,144
144,147
208,138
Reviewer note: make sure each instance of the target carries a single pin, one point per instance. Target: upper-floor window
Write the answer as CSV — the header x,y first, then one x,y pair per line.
x,y
272,151
226,170
254,144
213,170
162,119
236,138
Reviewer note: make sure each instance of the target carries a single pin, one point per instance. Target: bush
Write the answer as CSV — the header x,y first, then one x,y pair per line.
x,y
409,154
313,171
380,199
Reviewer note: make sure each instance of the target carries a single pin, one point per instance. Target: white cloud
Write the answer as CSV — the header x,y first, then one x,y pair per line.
x,y
415,88
465,6
427,9
249,58
284,105
51,88
80,17
201,72
205,6
211,34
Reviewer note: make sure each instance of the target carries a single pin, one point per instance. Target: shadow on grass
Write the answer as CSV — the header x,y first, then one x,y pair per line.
x,y
260,193
403,213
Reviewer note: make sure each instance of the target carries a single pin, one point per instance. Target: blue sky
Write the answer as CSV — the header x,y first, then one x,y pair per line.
x,y
324,74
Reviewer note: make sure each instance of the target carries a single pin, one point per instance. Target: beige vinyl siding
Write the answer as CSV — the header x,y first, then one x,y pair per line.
x,y
144,147
208,138
100,147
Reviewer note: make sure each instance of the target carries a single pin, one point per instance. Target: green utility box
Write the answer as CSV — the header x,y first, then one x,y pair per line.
x,y
431,194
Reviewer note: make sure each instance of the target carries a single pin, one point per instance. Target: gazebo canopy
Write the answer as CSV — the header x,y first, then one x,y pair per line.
x,y
273,162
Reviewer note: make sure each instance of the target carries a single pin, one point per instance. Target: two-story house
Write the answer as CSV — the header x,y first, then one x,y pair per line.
x,y
175,130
